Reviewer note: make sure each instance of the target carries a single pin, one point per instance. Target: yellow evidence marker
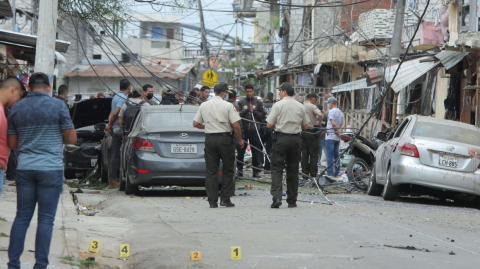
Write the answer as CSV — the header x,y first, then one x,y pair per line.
x,y
236,253
195,256
94,246
124,250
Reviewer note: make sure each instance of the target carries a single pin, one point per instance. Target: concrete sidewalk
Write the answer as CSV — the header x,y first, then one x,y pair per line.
x,y
62,237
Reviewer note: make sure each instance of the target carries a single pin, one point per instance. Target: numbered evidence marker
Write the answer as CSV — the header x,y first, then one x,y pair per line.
x,y
94,245
195,256
124,250
236,253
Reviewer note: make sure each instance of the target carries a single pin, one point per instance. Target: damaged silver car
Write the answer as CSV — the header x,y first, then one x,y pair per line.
x,y
430,156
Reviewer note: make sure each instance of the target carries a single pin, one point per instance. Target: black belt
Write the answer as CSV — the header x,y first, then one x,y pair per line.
x,y
287,134
219,134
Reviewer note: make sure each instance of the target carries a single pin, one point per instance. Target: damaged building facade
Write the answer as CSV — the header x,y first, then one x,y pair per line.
x,y
344,52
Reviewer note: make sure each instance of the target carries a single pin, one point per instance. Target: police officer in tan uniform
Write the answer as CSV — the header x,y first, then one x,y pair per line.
x,y
219,117
288,118
310,145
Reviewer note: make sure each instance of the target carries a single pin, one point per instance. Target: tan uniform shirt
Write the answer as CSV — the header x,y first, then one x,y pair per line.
x,y
218,115
312,112
288,116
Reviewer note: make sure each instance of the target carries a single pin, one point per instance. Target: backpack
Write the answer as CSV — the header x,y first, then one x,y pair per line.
x,y
129,114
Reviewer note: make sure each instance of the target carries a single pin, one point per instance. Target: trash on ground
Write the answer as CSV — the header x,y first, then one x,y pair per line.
x,y
408,248
451,253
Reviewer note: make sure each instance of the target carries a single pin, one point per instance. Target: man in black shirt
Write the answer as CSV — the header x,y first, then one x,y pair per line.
x,y
251,109
63,94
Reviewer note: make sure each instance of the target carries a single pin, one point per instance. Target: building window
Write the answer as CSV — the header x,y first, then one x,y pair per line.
x,y
126,57
97,56
170,33
157,33
161,44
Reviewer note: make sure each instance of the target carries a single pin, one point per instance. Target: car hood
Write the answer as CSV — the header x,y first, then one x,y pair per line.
x,y
90,112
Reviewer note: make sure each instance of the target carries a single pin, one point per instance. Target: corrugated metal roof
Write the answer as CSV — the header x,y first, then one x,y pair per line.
x,y
450,58
351,86
5,9
173,71
408,73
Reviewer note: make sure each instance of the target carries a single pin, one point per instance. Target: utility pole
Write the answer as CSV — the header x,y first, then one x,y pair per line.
x,y
204,35
396,43
46,37
14,18
286,34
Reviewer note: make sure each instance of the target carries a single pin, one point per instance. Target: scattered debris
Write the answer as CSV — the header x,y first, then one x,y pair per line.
x,y
451,253
452,240
408,248
3,249
78,190
411,235
4,235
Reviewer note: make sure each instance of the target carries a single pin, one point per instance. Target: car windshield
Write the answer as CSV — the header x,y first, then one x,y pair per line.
x,y
445,132
169,119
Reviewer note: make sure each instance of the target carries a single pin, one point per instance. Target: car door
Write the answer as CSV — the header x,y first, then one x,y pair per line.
x,y
392,146
127,142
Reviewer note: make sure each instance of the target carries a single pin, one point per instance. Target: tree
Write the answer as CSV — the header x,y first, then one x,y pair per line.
x,y
113,10
247,67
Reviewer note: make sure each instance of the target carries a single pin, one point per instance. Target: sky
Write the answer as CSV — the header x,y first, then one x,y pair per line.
x,y
222,21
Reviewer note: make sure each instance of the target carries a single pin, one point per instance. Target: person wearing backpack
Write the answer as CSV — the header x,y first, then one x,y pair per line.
x,y
130,109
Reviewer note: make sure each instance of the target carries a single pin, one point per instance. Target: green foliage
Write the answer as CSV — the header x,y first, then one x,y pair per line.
x,y
4,235
266,39
275,23
83,264
247,67
114,10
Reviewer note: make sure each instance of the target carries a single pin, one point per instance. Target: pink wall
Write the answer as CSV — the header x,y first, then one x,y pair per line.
x,y
431,35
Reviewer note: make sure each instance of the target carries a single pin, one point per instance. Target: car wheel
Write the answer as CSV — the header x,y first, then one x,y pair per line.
x,y
374,189
390,192
103,170
357,172
122,184
129,187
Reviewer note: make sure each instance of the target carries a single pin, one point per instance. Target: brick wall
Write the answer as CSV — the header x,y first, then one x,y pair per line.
x,y
355,10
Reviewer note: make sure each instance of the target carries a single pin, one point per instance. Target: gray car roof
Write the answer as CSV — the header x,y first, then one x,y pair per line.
x,y
445,122
171,108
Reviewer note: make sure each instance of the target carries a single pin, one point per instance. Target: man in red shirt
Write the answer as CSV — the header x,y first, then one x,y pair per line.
x,y
11,91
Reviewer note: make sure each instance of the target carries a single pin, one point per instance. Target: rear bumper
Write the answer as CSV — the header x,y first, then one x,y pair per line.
x,y
77,162
408,170
166,171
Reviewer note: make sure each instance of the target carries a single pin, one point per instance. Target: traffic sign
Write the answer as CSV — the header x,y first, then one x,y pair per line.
x,y
210,78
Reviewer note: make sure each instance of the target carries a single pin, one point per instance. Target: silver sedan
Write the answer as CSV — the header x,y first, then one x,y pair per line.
x,y
428,155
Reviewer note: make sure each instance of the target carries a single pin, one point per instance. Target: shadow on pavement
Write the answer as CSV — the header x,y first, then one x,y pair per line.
x,y
172,193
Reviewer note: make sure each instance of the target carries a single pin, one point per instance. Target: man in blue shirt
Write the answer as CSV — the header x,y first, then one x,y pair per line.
x,y
335,123
116,132
38,126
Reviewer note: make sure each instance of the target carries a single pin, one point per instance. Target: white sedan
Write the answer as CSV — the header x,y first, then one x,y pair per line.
x,y
428,155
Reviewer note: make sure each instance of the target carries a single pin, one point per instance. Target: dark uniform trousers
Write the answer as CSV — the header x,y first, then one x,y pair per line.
x,y
286,148
219,147
252,137
310,148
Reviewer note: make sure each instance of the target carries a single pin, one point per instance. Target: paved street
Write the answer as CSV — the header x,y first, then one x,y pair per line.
x,y
163,227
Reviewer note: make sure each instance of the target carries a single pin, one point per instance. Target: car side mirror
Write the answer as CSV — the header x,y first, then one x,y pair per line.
x,y
100,127
381,136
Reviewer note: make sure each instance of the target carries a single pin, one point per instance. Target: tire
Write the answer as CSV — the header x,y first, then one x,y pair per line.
x,y
103,170
374,189
122,184
389,191
357,175
129,187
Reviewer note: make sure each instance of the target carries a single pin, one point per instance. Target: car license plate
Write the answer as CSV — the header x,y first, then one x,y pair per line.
x,y
448,161
94,162
184,148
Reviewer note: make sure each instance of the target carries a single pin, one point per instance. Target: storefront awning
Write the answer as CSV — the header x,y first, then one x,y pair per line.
x,y
24,40
408,73
5,9
351,86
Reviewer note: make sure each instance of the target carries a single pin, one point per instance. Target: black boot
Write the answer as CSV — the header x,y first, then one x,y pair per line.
x,y
256,173
276,204
213,204
227,203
